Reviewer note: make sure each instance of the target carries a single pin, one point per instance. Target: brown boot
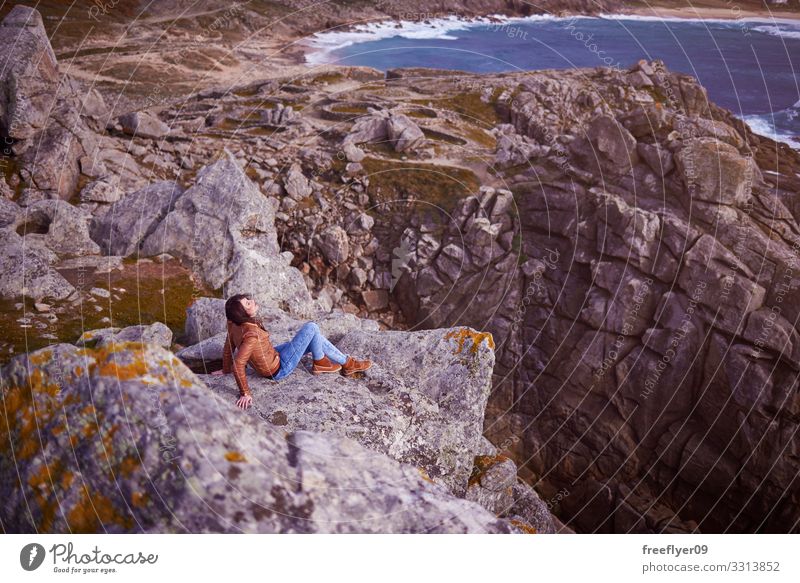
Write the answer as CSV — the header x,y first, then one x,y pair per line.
x,y
324,365
353,366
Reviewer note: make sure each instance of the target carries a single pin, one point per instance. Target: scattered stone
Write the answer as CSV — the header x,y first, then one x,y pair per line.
x,y
143,125
375,300
335,245
296,184
100,191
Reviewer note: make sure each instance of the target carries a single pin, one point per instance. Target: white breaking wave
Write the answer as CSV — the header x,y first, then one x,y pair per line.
x,y
778,31
328,42
437,28
441,29
647,18
762,126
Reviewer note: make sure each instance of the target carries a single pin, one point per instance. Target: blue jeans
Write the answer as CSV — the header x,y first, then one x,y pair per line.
x,y
308,339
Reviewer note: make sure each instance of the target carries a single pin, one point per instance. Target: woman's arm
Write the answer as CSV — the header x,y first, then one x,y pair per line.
x,y
227,355
249,342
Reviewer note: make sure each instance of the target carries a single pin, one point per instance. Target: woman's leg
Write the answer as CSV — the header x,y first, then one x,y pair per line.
x,y
308,339
321,345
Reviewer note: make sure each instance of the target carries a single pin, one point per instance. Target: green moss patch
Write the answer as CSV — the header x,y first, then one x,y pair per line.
x,y
153,292
442,186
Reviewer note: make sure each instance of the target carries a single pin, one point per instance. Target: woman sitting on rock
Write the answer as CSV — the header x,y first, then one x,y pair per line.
x,y
248,337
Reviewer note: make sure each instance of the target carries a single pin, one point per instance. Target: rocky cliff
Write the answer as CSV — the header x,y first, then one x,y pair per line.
x,y
595,269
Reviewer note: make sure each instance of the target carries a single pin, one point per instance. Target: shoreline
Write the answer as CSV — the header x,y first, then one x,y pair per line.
x,y
313,51
309,45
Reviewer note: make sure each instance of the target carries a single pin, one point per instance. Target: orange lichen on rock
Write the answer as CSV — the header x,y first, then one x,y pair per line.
x,y
523,526
127,466
235,456
139,499
41,485
66,480
106,361
425,475
42,357
92,512
482,464
25,411
463,335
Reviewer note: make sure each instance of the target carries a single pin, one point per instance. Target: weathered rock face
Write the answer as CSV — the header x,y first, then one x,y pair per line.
x,y
57,226
271,280
156,451
26,271
382,125
156,333
335,245
36,239
296,184
422,402
652,299
121,229
30,74
42,115
220,214
223,228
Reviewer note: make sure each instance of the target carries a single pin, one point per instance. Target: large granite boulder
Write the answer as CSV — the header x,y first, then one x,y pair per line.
x,y
42,115
421,402
142,124
121,229
223,228
29,76
383,125
271,280
57,226
127,439
222,212
26,271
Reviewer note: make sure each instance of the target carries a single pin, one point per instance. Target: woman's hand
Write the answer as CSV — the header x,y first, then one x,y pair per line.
x,y
244,402
217,373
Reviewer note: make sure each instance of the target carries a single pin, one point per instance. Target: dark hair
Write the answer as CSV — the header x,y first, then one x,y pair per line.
x,y
235,312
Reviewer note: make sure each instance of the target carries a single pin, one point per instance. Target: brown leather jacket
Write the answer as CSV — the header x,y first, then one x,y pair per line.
x,y
252,345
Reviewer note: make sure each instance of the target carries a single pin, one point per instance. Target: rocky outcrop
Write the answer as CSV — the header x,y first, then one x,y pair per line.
x,y
30,74
223,228
156,333
422,402
513,149
649,299
58,227
35,240
279,115
27,272
128,440
222,214
386,126
126,223
42,115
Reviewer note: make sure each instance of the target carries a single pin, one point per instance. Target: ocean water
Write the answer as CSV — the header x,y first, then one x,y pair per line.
x,y
751,67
